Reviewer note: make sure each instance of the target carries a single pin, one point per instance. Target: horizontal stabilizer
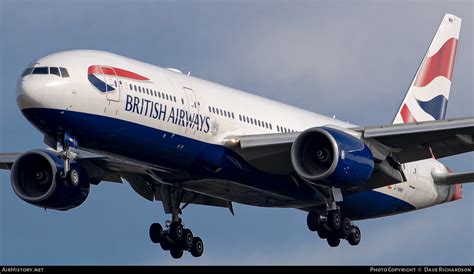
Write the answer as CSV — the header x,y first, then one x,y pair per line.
x,y
453,178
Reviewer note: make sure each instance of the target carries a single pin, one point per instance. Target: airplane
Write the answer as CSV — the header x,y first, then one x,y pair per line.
x,y
180,140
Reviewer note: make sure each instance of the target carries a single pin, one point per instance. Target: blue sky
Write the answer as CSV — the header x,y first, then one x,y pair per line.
x,y
351,59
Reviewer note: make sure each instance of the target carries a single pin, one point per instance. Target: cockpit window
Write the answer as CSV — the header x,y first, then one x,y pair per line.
x,y
64,72
61,72
40,70
54,71
27,71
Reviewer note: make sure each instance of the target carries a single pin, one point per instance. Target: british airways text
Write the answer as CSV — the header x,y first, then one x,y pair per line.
x,y
167,114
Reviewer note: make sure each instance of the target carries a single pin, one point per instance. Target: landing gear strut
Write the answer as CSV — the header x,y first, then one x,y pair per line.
x,y
68,173
334,227
174,237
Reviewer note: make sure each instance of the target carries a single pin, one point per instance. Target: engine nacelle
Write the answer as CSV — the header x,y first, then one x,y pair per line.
x,y
36,179
331,157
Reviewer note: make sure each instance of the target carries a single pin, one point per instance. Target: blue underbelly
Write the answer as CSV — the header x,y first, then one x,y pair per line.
x,y
201,160
160,148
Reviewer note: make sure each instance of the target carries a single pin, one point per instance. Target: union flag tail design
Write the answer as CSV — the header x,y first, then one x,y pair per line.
x,y
428,95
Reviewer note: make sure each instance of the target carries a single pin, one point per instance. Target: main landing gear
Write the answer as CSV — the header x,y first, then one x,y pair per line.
x,y
334,227
174,237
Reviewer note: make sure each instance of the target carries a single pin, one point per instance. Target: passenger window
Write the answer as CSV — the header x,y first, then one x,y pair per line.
x,y
40,70
154,92
64,72
167,97
54,71
27,71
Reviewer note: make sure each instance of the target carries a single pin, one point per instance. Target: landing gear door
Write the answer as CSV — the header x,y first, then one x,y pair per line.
x,y
113,84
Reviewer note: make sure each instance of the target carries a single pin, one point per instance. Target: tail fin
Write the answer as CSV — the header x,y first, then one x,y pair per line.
x,y
428,94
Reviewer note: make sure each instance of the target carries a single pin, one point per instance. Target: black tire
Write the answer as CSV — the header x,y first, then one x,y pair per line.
x,y
354,236
333,241
313,221
73,177
346,227
335,220
176,231
165,244
323,233
188,239
156,232
176,253
198,247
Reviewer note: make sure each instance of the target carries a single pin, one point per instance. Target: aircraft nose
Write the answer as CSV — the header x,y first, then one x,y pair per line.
x,y
30,92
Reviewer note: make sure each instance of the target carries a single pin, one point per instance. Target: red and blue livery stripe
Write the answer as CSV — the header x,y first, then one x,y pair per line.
x,y
440,64
95,72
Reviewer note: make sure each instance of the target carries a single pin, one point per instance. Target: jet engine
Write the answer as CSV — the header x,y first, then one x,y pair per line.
x,y
331,157
37,178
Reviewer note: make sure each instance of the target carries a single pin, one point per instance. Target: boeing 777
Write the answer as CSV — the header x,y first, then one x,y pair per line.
x,y
181,140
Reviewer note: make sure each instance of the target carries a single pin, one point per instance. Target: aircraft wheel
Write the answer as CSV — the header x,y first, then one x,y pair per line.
x,y
73,177
156,232
165,244
323,233
188,239
313,221
176,231
346,227
198,247
354,236
333,241
176,253
335,220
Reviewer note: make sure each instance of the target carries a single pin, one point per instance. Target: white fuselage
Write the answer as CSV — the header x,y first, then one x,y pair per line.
x,y
187,106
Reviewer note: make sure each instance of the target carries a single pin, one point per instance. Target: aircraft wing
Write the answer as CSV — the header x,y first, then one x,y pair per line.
x,y
144,179
403,142
416,141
